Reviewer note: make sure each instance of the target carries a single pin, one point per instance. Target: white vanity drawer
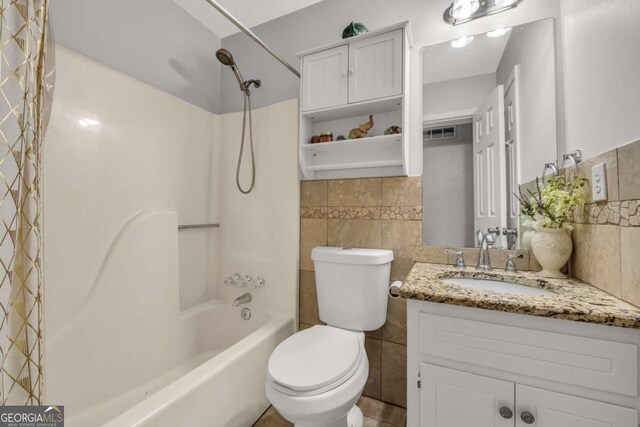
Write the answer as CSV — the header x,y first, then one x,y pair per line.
x,y
594,363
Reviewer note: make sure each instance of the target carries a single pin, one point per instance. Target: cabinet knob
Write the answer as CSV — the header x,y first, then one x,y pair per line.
x,y
506,413
351,71
344,73
527,417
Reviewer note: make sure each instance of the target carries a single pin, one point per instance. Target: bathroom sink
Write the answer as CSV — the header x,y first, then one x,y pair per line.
x,y
498,286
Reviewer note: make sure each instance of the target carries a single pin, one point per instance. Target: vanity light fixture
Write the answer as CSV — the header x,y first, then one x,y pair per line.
x,y
462,11
498,33
461,42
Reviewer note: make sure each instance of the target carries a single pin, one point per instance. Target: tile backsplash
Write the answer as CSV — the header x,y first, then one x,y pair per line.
x,y
607,234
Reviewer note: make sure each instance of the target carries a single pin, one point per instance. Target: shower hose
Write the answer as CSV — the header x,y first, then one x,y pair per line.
x,y
246,111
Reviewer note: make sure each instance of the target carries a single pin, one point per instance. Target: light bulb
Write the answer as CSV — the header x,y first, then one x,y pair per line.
x,y
462,9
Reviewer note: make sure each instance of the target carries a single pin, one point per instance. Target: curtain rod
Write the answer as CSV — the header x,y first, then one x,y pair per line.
x,y
252,36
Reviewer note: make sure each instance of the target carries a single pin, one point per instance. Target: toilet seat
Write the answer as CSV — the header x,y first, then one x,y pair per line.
x,y
314,361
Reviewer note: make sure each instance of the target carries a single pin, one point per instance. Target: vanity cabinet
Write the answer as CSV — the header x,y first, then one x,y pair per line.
x,y
342,85
452,398
484,368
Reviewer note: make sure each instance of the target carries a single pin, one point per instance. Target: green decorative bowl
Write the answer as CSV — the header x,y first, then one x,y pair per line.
x,y
354,29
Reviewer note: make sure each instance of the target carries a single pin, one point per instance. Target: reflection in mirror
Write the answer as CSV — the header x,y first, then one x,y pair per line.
x,y
489,112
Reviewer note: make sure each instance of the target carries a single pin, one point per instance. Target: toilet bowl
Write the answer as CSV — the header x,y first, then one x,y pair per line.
x,y
316,376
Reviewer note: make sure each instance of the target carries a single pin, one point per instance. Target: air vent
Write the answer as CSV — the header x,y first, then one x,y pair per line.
x,y
431,134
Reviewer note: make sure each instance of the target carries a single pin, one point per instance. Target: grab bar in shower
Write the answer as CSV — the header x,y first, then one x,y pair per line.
x,y
191,226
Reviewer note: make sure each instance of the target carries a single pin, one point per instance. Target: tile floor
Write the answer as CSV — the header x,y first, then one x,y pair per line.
x,y
376,414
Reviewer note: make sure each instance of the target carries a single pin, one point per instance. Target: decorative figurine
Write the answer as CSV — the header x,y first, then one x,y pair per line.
x,y
353,29
362,130
392,130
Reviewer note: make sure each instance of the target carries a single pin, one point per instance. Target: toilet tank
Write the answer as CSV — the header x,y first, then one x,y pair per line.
x,y
352,286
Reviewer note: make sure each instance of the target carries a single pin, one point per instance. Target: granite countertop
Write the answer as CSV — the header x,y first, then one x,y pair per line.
x,y
573,300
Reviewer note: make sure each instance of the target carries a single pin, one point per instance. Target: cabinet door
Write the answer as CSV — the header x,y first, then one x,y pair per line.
x,y
375,67
550,409
324,78
450,398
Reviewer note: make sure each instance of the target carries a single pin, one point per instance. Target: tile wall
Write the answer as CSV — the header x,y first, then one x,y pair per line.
x,y
365,213
607,234
373,213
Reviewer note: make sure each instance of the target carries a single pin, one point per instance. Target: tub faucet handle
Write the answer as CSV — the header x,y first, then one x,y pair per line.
x,y
258,282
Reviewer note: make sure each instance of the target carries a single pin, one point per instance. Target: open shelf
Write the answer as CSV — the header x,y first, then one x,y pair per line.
x,y
355,165
371,142
374,106
383,151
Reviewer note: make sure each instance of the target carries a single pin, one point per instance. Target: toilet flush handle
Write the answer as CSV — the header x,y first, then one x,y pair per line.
x,y
394,289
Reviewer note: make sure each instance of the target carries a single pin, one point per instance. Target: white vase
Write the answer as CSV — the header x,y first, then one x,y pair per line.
x,y
526,237
552,248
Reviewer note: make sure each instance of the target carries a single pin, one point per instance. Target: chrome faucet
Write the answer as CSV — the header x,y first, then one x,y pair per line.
x,y
242,299
484,262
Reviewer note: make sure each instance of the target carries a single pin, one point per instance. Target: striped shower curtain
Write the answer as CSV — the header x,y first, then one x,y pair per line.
x,y
24,103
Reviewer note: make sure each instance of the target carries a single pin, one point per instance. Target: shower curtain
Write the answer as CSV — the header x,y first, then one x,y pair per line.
x,y
25,91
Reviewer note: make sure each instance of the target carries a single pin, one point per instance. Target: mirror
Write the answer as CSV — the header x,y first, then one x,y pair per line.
x,y
489,124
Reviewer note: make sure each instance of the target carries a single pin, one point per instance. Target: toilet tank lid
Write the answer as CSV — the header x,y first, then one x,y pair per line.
x,y
352,255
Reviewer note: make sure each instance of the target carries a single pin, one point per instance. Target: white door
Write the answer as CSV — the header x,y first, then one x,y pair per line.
x,y
549,409
489,169
324,78
512,141
375,67
450,398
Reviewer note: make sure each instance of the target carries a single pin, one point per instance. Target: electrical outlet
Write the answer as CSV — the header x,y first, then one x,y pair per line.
x,y
599,182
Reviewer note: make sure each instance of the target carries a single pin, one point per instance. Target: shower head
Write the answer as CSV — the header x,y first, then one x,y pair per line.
x,y
225,57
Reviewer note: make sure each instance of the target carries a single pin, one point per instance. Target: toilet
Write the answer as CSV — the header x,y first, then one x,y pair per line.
x,y
316,376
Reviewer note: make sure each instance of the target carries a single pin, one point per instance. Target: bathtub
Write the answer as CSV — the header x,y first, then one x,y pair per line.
x,y
127,355
217,379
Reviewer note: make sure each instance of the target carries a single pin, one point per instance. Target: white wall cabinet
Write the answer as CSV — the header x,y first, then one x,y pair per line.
x,y
468,367
325,78
342,84
375,67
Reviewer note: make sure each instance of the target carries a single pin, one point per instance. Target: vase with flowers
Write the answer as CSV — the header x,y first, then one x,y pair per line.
x,y
549,210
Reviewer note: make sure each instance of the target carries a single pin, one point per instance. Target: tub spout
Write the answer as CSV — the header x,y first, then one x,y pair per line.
x,y
242,299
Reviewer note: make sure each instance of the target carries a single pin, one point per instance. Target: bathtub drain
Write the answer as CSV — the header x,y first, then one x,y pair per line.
x,y
246,313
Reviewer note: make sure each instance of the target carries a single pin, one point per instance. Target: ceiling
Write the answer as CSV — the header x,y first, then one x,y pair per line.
x,y
249,12
443,62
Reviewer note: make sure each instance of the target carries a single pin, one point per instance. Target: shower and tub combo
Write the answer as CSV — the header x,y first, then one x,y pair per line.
x,y
123,348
